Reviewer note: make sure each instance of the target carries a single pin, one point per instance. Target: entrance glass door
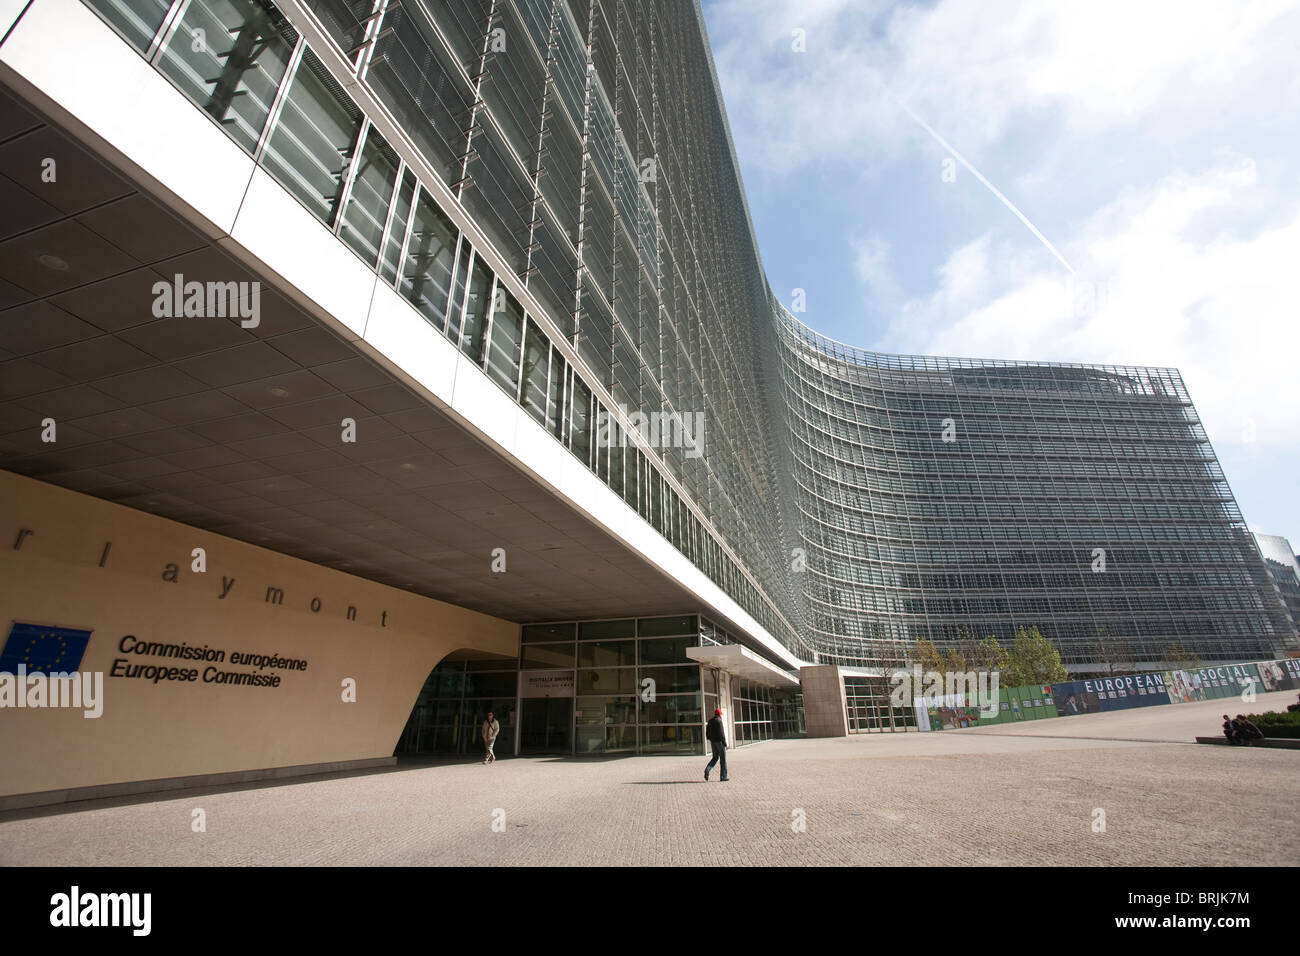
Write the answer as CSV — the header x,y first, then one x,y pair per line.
x,y
546,725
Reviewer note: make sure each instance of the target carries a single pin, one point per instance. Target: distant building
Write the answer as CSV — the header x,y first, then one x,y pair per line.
x,y
1284,568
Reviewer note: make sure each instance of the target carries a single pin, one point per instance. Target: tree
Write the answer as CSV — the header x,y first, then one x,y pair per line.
x,y
988,656
1112,656
1180,658
1033,660
954,661
927,655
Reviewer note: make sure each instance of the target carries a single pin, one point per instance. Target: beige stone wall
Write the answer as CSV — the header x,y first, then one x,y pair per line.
x,y
170,729
825,709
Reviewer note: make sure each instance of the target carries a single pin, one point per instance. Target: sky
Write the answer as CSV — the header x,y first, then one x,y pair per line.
x,y
1105,181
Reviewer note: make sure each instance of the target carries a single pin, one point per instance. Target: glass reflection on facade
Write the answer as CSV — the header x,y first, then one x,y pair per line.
x,y
617,268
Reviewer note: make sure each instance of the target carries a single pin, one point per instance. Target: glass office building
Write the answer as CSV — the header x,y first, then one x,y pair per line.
x,y
849,502
952,499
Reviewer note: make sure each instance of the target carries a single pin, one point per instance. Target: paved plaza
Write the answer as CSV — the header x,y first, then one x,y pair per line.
x,y
1024,793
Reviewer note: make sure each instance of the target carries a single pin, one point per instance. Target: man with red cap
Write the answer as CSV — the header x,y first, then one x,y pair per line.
x,y
717,736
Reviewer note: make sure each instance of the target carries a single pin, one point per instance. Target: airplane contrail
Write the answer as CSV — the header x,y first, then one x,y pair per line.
x,y
991,188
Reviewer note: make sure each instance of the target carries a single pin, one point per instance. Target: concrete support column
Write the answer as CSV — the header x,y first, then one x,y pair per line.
x,y
825,710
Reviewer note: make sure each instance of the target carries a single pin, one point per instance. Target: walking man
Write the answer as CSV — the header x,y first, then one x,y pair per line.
x,y
490,730
717,736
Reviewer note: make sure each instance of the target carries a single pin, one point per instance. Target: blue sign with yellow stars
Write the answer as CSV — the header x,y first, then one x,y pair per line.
x,y
44,649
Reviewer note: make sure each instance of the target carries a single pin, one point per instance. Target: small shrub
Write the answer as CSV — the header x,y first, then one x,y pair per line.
x,y
1275,724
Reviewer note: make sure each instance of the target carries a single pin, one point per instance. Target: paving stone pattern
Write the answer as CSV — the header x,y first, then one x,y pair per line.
x,y
1019,794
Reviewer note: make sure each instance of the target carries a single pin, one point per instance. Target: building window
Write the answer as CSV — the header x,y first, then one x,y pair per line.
x,y
426,270
371,195
314,139
229,57
532,386
503,357
137,20
477,305
398,219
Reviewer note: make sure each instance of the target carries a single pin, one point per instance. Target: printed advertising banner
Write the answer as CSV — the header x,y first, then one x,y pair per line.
x,y
1228,680
1109,693
1037,701
1279,675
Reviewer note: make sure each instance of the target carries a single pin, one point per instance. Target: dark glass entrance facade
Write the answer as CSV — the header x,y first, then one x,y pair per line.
x,y
546,725
597,687
455,700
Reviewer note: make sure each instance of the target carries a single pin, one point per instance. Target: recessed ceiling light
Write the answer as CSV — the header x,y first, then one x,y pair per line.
x,y
51,261
279,392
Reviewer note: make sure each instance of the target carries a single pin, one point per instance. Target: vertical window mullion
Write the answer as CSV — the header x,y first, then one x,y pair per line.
x,y
170,22
470,261
350,177
491,315
277,106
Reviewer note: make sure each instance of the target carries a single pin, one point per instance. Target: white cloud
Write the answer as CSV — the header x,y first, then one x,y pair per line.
x,y
1153,143
972,69
1155,291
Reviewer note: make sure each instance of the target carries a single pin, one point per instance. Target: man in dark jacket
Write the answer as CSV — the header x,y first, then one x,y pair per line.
x,y
717,737
1230,729
1247,730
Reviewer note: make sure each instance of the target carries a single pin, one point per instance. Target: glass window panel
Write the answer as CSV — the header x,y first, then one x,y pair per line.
x,y
616,451
589,738
620,739
671,680
667,650
604,429
344,20
547,655
474,327
672,709
635,464
681,738
580,420
503,356
607,654
606,710
606,630
372,194
547,632
397,228
426,269
314,139
451,683
457,307
609,680
503,684
137,20
229,57
555,395
532,390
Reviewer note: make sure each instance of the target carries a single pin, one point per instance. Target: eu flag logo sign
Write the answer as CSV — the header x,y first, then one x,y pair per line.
x,y
44,649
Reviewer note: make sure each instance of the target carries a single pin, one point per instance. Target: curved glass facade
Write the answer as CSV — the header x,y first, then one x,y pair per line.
x,y
551,184
951,499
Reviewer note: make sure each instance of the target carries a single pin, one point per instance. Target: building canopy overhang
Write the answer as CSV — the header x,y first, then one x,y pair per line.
x,y
741,662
